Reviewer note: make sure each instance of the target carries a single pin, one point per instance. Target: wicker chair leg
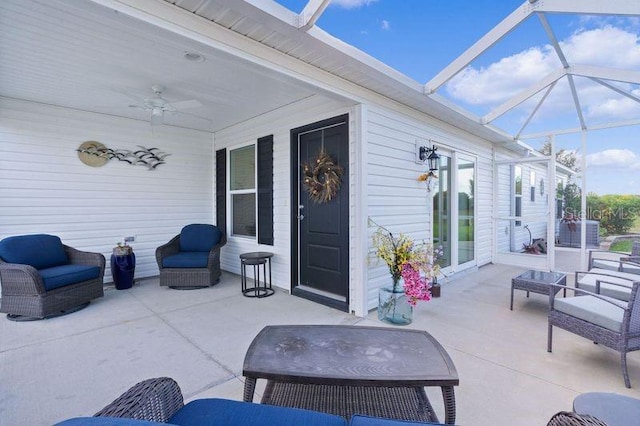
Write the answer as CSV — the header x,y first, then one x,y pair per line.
x,y
625,373
549,337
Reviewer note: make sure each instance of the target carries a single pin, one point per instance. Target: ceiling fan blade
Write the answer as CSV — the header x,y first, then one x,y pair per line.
x,y
191,103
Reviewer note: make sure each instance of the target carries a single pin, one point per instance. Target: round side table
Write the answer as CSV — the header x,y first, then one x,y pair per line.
x,y
611,408
258,260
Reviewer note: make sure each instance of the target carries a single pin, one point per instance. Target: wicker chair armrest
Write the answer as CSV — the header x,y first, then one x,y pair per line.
x,y
79,257
623,253
603,273
155,400
614,302
633,260
168,249
17,278
215,250
569,418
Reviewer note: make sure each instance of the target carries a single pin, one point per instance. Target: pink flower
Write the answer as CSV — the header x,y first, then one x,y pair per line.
x,y
415,287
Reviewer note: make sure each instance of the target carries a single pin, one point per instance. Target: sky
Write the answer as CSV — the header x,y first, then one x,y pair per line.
x,y
419,38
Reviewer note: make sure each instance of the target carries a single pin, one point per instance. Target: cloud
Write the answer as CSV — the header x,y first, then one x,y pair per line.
x,y
614,159
352,4
611,47
385,25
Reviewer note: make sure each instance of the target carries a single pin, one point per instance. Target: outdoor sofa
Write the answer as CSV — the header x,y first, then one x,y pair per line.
x,y
159,401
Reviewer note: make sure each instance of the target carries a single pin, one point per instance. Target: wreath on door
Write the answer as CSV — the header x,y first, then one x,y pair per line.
x,y
322,178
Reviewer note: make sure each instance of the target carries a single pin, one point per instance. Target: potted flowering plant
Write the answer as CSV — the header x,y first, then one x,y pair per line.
x,y
413,268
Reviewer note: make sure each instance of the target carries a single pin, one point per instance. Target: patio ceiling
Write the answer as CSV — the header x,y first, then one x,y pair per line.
x,y
105,55
85,56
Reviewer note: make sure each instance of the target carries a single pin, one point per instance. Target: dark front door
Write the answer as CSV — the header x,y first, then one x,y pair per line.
x,y
320,225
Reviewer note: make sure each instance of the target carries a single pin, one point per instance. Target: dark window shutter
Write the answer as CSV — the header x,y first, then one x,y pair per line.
x,y
221,189
265,190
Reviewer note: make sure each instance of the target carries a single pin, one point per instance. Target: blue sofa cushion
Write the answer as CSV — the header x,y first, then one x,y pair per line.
x,y
199,237
40,250
107,421
187,260
358,420
224,412
59,276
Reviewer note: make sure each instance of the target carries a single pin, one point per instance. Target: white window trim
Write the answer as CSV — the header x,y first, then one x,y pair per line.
x,y
231,193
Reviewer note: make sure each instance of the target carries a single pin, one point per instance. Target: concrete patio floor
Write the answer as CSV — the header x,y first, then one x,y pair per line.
x,y
74,365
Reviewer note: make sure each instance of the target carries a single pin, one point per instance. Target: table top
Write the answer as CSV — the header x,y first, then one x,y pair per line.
x,y
541,276
611,408
256,255
353,355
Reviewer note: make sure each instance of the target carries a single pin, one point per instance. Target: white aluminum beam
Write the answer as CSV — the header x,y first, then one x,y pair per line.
x,y
616,89
516,100
578,130
492,37
576,101
535,110
590,7
553,39
604,73
311,13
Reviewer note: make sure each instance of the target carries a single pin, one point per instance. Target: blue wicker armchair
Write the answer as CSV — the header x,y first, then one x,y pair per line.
x,y
42,278
192,258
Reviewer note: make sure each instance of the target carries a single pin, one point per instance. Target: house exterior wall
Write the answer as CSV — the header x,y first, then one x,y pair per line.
x,y
279,124
45,188
396,200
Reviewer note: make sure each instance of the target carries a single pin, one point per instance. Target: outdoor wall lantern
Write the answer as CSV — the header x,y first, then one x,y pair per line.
x,y
429,155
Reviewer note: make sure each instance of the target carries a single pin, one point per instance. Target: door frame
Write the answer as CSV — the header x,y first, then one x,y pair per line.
x,y
293,214
454,213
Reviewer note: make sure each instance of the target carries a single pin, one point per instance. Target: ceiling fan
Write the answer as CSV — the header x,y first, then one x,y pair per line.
x,y
158,105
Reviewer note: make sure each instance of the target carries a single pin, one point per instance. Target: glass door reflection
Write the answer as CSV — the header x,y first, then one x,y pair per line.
x,y
441,211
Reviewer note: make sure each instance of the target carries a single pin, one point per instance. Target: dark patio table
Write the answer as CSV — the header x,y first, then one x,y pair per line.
x,y
348,370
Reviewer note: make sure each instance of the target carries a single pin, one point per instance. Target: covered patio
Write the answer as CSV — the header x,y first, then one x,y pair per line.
x,y
76,364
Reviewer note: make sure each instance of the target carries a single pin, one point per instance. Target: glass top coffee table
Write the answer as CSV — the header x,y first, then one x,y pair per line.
x,y
538,282
348,370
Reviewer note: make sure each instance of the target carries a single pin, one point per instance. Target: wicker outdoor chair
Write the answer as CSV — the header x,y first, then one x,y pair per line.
x,y
192,258
569,418
154,400
43,278
625,262
601,319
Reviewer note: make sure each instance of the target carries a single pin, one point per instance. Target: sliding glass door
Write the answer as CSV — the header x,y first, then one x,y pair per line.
x,y
454,211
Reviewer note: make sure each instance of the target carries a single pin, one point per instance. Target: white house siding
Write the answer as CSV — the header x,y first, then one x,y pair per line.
x,y
45,188
397,200
533,212
279,124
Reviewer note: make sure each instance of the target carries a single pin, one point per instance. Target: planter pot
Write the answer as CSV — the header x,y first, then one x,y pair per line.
x,y
394,307
122,270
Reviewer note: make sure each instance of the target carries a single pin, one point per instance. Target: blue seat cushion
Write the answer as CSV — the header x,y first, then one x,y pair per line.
x,y
107,421
187,260
199,237
60,276
358,420
39,250
224,412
